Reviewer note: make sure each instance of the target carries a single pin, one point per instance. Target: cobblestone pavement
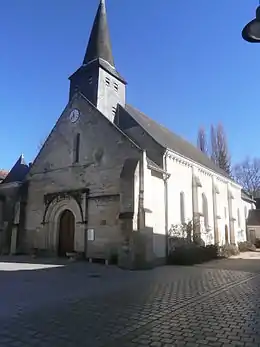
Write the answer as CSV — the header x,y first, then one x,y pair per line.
x,y
90,305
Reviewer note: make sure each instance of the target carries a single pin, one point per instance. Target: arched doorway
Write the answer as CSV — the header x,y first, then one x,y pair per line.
x,y
66,233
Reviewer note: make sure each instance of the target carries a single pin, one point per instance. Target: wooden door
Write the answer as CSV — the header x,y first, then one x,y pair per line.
x,y
66,233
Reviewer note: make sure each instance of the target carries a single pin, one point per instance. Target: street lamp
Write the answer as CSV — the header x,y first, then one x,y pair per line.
x,y
251,32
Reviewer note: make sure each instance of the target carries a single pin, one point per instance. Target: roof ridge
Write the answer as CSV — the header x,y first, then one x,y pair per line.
x,y
169,139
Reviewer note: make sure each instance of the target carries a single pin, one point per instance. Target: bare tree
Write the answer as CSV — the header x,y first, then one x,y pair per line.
x,y
214,146
219,149
224,159
202,141
247,174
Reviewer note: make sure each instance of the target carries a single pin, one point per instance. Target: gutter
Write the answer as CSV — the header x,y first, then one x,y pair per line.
x,y
248,200
157,169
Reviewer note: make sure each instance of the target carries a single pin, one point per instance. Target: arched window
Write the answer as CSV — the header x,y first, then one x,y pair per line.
x,y
76,149
205,210
238,218
245,212
182,207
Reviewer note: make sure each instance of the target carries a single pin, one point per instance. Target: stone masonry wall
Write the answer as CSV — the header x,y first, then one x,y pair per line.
x,y
103,151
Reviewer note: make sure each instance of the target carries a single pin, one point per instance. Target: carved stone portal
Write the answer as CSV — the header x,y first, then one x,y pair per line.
x,y
56,203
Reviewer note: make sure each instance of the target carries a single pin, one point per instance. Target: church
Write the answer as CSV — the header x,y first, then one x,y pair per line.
x,y
111,182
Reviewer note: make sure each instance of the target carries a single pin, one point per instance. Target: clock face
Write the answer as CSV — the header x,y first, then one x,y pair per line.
x,y
74,115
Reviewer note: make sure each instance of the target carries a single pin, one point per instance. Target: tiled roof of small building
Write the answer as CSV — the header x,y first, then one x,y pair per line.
x,y
253,217
18,171
247,197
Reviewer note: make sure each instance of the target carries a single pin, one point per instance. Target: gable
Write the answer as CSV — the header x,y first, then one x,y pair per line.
x,y
168,139
98,138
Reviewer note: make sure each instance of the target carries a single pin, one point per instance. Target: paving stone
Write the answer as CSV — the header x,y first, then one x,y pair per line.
x,y
168,306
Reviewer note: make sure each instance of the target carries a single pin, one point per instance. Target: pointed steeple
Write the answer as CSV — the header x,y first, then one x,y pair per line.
x,y
99,45
97,78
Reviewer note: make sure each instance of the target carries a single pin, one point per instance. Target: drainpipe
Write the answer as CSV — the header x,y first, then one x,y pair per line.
x,y
194,195
230,215
166,176
214,197
141,218
195,203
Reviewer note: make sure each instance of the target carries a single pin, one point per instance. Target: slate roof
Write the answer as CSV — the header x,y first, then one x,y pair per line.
x,y
253,217
99,45
18,171
168,139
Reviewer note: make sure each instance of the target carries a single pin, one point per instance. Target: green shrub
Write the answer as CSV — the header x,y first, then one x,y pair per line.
x,y
190,254
246,246
257,243
228,250
113,259
211,251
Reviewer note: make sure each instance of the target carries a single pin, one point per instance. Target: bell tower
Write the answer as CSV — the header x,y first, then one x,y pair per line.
x,y
97,78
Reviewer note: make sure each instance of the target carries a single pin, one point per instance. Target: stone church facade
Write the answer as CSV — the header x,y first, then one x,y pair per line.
x,y
110,181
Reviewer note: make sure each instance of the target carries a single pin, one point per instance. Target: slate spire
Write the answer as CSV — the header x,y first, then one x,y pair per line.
x,y
99,45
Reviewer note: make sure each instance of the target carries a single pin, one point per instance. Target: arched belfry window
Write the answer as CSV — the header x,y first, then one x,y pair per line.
x,y
238,218
205,210
182,207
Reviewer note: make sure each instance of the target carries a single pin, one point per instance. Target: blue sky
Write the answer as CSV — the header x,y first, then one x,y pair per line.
x,y
185,62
